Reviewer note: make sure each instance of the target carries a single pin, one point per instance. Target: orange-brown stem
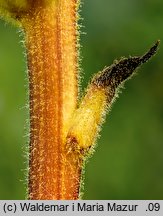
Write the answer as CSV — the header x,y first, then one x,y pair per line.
x,y
51,41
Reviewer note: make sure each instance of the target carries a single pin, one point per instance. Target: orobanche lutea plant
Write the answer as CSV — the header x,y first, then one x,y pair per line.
x,y
63,129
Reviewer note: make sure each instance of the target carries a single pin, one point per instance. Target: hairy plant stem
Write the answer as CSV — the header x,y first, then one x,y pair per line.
x,y
51,41
62,133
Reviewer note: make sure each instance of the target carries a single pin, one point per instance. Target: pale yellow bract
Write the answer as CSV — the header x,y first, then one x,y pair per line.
x,y
63,129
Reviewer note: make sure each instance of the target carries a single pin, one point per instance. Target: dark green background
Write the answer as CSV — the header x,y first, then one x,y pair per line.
x,y
128,163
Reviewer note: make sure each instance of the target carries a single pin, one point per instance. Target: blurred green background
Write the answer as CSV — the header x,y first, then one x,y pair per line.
x,y
128,161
